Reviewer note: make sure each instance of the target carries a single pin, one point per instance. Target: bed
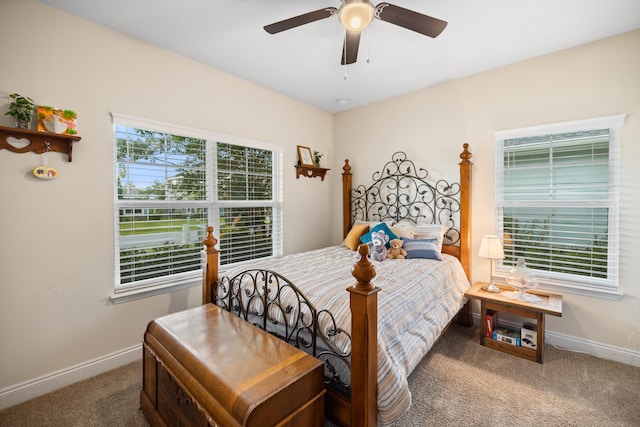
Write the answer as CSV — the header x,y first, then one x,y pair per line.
x,y
372,333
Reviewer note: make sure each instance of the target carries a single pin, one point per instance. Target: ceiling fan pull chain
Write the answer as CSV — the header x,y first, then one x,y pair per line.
x,y
368,44
345,57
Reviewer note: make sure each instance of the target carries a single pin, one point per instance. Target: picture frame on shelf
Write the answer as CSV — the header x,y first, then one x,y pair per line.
x,y
305,157
57,120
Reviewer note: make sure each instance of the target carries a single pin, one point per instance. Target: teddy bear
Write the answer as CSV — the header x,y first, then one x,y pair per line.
x,y
378,246
396,251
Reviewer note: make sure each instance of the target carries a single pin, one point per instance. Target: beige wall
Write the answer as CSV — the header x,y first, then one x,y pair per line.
x,y
57,253
56,257
593,80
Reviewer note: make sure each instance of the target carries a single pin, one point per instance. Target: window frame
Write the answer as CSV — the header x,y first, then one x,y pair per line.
x,y
557,281
159,285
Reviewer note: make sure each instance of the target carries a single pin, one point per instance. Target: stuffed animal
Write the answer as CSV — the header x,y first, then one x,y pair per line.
x,y
378,246
396,251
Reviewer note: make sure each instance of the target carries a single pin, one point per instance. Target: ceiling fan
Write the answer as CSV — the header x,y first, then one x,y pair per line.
x,y
355,15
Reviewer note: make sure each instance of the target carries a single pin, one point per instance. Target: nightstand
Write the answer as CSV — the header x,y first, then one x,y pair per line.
x,y
550,304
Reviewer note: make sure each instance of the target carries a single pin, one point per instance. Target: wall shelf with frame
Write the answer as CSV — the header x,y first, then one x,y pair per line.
x,y
38,142
310,171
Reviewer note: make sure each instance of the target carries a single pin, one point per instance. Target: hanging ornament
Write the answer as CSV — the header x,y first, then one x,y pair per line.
x,y
44,171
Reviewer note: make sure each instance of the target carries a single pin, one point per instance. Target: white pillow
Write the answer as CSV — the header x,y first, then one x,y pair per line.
x,y
403,230
430,231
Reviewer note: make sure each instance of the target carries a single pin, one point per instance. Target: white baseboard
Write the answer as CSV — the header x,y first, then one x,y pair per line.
x,y
35,387
581,345
602,351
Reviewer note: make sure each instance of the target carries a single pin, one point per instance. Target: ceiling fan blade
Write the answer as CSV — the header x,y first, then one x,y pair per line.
x,y
409,19
350,47
296,21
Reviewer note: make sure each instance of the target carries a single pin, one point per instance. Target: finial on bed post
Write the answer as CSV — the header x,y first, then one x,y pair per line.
x,y
346,198
364,342
346,168
363,270
466,154
210,270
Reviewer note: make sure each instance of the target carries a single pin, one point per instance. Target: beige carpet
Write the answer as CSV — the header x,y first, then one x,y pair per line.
x,y
459,384
464,384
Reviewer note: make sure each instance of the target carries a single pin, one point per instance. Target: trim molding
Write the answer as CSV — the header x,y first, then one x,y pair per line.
x,y
135,294
44,384
593,348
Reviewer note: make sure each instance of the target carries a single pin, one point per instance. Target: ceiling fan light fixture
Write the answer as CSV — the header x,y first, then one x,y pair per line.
x,y
356,15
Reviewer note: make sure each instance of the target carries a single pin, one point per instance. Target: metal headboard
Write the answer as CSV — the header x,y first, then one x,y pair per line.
x,y
401,192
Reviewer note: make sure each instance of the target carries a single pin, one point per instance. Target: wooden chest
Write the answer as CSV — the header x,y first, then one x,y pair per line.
x,y
207,367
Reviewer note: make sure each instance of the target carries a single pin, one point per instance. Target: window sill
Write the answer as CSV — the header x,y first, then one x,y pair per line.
x,y
140,293
187,281
608,294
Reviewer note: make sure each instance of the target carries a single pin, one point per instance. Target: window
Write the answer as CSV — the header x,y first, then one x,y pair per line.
x,y
557,203
171,182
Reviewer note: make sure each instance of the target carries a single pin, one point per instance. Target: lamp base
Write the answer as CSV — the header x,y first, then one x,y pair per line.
x,y
491,287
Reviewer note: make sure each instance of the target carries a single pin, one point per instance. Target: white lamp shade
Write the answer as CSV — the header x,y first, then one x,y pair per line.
x,y
491,248
356,15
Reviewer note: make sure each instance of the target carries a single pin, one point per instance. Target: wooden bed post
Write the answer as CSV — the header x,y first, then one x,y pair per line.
x,y
210,275
346,199
465,211
364,343
464,316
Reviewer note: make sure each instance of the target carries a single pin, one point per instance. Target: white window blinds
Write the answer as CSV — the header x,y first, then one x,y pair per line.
x,y
247,207
557,202
172,182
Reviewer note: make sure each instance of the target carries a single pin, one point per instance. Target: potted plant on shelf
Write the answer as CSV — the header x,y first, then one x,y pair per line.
x,y
21,109
316,158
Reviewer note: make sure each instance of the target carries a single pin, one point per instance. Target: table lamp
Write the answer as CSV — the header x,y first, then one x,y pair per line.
x,y
491,248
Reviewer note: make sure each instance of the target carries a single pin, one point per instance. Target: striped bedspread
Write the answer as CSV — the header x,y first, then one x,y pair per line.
x,y
417,300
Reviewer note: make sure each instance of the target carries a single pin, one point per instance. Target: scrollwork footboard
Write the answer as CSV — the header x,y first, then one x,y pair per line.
x,y
271,302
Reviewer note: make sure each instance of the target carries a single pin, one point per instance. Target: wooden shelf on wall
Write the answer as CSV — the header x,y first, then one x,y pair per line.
x,y
39,142
310,171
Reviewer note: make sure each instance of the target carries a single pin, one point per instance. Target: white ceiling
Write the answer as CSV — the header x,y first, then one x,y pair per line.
x,y
304,62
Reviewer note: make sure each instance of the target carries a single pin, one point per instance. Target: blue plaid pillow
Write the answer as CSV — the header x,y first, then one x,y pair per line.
x,y
421,248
